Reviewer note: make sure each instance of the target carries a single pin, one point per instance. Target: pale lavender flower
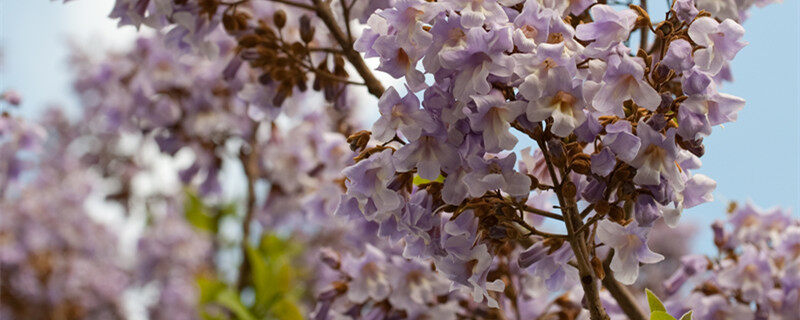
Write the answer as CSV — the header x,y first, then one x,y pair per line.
x,y
481,54
751,274
624,80
656,158
721,41
492,117
622,141
679,56
476,13
370,277
561,100
429,154
496,174
603,162
368,181
608,29
685,10
630,248
552,268
401,114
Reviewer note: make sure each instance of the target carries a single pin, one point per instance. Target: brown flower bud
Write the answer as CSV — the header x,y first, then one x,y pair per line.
x,y
229,23
306,29
569,190
616,214
534,182
279,18
597,266
582,163
359,140
602,207
249,41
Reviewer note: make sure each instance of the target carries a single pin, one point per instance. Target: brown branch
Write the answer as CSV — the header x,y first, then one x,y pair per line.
x,y
588,279
643,39
620,292
296,4
250,164
324,13
543,213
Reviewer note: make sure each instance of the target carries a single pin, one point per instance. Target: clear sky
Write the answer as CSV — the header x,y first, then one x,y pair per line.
x,y
754,158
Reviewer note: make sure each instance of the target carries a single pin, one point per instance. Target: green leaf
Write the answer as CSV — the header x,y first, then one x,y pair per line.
x,y
261,275
230,300
286,310
197,213
661,315
209,289
687,316
420,180
654,302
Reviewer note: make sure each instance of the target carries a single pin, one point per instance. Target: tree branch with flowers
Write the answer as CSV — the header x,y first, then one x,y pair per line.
x,y
518,171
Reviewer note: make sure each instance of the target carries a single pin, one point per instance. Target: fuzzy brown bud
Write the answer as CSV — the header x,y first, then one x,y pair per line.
x,y
581,163
597,266
616,214
569,189
279,18
306,29
359,140
602,207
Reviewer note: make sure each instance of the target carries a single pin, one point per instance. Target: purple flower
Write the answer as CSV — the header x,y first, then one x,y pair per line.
x,y
552,268
603,162
751,274
415,286
466,263
492,118
476,13
622,141
656,158
608,29
690,265
562,100
685,10
679,56
401,114
698,190
630,248
429,154
532,26
370,278
482,53
624,80
717,307
699,112
721,41
496,174
368,181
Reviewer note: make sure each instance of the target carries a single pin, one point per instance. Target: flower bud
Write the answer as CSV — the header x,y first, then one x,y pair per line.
x,y
359,140
279,18
569,189
306,30
616,214
581,163
597,266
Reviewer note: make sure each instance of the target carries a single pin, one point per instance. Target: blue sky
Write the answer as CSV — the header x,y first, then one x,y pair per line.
x,y
754,158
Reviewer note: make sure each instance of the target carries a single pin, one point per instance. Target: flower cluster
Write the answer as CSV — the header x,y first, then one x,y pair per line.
x,y
438,203
55,263
618,133
758,264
